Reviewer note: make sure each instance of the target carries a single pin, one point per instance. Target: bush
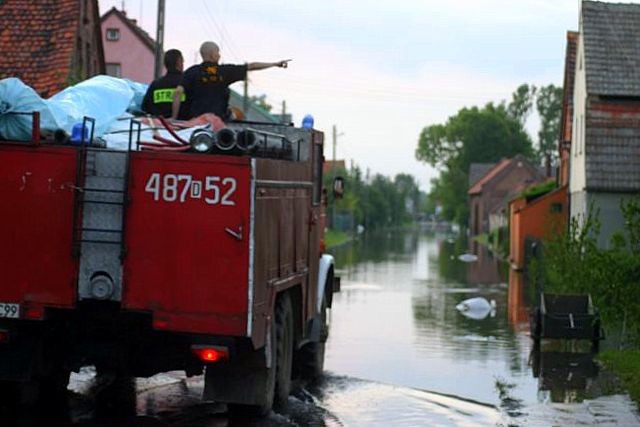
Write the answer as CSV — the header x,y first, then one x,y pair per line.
x,y
573,263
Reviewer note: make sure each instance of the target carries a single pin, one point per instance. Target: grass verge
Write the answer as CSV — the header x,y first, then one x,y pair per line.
x,y
625,364
335,238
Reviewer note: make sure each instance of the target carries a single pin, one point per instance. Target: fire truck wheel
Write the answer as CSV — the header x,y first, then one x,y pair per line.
x,y
311,356
284,351
44,390
53,388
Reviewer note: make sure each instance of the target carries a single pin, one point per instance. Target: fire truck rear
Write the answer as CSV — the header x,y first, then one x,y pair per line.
x,y
199,257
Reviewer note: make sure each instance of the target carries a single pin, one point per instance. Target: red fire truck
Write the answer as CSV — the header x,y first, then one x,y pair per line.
x,y
201,255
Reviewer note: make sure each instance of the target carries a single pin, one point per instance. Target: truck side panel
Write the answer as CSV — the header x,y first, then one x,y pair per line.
x,y
37,208
283,212
187,239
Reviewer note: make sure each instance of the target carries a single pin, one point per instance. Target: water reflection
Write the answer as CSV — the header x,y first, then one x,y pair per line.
x,y
518,310
486,270
563,377
396,322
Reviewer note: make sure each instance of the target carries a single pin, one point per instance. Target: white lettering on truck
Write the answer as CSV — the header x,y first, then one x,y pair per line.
x,y
177,188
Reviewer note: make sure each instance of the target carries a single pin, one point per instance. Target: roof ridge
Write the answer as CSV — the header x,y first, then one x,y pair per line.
x,y
143,35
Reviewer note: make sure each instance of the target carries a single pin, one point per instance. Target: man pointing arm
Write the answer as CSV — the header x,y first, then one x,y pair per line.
x,y
207,84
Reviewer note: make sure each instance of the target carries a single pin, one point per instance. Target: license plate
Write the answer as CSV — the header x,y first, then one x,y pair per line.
x,y
11,311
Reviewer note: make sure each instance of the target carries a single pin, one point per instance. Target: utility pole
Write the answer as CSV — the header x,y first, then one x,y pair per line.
x,y
284,111
159,39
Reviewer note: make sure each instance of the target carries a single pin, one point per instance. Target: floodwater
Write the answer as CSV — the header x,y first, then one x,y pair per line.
x,y
399,354
395,323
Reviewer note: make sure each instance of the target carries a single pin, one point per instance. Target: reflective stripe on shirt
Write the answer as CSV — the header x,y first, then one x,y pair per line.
x,y
161,96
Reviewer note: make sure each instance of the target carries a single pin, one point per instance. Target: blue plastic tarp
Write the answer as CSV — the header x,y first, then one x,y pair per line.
x,y
102,98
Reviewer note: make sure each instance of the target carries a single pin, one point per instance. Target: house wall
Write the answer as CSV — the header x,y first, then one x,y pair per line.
x,y
577,181
539,219
136,60
88,58
607,205
578,206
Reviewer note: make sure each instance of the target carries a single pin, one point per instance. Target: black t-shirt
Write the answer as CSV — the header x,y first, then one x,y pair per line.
x,y
207,87
159,96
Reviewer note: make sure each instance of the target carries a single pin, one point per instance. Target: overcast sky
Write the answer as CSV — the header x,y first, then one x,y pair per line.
x,y
380,70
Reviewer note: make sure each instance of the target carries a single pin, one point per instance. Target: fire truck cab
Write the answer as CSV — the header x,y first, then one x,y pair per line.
x,y
204,256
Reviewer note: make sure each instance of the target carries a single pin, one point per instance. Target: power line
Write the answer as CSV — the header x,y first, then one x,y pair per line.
x,y
224,37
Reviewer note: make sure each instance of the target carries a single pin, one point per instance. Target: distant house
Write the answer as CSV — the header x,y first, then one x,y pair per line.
x,y
477,171
491,193
605,146
50,45
129,51
533,218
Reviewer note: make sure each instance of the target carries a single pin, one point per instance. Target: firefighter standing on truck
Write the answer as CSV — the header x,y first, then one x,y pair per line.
x,y
206,85
159,97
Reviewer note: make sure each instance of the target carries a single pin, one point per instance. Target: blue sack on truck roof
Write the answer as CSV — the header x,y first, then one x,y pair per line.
x,y
103,98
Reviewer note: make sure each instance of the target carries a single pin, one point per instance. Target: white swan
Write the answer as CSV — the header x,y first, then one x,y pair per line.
x,y
476,308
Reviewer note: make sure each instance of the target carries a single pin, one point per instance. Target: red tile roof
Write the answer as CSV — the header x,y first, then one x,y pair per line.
x,y
37,41
477,187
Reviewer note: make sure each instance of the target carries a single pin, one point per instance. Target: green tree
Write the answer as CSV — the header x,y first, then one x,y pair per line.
x,y
261,101
378,202
484,135
521,102
549,106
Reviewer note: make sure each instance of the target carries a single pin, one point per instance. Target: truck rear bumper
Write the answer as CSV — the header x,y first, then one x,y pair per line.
x,y
110,339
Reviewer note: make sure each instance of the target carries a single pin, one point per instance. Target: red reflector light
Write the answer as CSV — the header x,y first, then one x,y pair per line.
x,y
210,354
160,323
34,313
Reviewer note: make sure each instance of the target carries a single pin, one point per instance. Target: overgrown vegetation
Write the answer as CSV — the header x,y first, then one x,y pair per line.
x,y
536,191
627,365
572,262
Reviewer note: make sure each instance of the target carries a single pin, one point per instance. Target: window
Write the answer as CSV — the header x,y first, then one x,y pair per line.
x,y
113,34
114,70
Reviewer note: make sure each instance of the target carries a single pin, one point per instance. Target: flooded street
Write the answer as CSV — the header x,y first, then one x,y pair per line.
x,y
399,354
395,323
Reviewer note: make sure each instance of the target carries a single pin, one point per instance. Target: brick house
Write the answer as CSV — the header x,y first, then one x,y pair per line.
x,y
605,145
491,193
129,50
50,44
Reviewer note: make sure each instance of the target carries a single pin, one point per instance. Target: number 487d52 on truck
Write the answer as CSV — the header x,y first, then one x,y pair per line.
x,y
206,256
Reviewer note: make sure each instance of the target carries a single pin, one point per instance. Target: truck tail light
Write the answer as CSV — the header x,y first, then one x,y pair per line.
x,y
209,353
34,313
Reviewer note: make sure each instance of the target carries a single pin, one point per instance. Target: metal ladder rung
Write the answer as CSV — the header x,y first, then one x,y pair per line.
x,y
99,202
105,242
98,230
102,190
